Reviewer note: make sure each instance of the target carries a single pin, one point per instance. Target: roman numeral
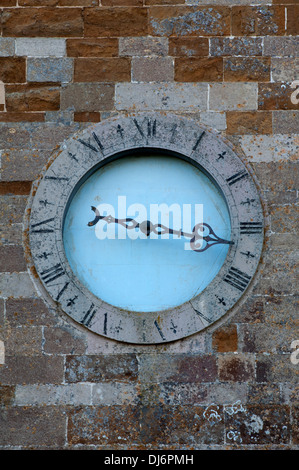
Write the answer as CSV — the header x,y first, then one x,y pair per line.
x,y
34,228
198,140
251,227
151,128
237,177
50,274
159,330
62,291
89,315
57,178
237,279
203,316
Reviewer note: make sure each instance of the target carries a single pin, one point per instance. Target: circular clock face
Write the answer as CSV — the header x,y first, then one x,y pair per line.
x,y
123,264
146,228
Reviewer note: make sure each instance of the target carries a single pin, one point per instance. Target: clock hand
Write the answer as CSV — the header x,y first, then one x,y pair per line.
x,y
147,227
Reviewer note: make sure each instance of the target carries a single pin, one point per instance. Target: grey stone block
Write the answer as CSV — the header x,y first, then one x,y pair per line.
x,y
169,96
144,46
41,47
50,69
233,96
7,47
87,97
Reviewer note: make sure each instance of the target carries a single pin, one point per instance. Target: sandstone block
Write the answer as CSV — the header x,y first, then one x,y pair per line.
x,y
152,69
233,96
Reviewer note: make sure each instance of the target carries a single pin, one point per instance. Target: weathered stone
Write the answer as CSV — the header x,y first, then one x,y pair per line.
x,y
233,96
49,70
43,22
87,97
29,426
258,20
110,22
118,367
28,312
105,425
286,122
62,341
225,339
258,122
32,97
275,96
259,425
237,46
214,119
183,97
188,47
143,46
152,69
177,368
12,259
40,47
268,148
292,23
16,285
22,165
92,47
199,70
12,69
7,47
247,69
53,394
236,368
102,69
281,46
189,21
32,370
284,69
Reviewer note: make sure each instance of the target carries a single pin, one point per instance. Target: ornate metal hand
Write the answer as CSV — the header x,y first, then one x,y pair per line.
x,y
201,232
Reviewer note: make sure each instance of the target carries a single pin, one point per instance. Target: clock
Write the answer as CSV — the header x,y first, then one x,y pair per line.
x,y
146,228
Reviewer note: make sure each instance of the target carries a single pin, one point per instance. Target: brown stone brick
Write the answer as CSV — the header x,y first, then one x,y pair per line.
x,y
238,46
48,22
102,70
188,47
246,69
12,69
93,47
22,117
116,367
87,117
122,3
15,187
8,3
6,395
261,425
181,425
258,20
199,70
152,69
61,341
28,312
88,97
117,424
113,22
259,122
12,259
31,427
32,370
275,96
235,368
33,97
292,20
164,2
58,3
189,21
225,339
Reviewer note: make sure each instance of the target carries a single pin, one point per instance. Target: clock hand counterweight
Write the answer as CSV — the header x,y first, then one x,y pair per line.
x,y
147,227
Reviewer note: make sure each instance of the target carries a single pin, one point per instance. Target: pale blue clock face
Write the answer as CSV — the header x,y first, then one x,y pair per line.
x,y
124,266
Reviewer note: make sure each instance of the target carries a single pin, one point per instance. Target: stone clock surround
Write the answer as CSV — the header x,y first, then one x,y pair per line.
x,y
99,144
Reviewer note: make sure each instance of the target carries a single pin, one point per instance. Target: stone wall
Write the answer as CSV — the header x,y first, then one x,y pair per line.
x,y
230,64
